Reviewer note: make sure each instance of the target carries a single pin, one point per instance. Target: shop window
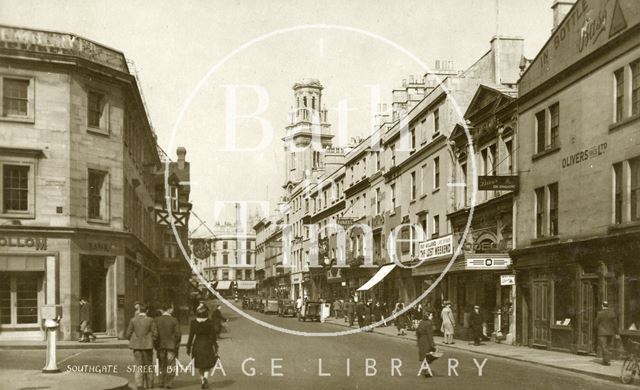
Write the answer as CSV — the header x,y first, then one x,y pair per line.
x,y
97,195
632,298
19,298
564,306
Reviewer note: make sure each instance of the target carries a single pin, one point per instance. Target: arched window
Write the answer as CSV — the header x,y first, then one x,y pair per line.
x,y
304,101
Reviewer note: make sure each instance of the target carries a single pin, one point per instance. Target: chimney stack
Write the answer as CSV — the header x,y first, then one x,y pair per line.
x,y
560,9
181,152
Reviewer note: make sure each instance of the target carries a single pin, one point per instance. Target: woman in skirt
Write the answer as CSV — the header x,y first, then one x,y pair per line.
x,y
401,319
202,344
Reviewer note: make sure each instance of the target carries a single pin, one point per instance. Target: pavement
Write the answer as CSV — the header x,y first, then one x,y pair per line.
x,y
582,364
34,379
513,366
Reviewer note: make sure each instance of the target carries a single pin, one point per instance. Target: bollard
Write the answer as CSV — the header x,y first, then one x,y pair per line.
x,y
51,327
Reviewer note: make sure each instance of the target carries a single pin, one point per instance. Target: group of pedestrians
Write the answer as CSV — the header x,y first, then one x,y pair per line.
x,y
163,334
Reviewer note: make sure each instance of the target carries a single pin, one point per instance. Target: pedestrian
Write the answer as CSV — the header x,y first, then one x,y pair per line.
x,y
218,319
86,333
448,323
351,309
299,303
607,326
426,345
400,319
202,344
377,312
359,313
368,314
384,313
339,308
142,333
476,321
167,346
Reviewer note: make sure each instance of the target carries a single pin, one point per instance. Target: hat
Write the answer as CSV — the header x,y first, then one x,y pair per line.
x,y
605,304
476,307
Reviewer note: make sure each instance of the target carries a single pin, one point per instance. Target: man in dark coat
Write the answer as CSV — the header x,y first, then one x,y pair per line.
x,y
360,312
476,321
167,346
350,307
607,325
86,333
424,334
141,333
218,319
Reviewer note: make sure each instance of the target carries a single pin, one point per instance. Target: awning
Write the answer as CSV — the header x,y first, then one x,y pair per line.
x,y
382,272
246,285
223,285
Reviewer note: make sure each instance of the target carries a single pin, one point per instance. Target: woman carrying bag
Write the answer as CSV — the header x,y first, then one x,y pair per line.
x,y
202,337
426,345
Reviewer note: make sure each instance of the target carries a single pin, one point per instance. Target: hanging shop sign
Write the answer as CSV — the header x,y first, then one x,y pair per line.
x,y
497,183
201,249
345,222
507,280
435,248
487,262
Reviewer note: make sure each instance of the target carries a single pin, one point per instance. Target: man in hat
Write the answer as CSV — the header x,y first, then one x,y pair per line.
x,y
607,325
476,325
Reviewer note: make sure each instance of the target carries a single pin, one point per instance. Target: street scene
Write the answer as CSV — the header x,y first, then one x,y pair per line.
x,y
243,195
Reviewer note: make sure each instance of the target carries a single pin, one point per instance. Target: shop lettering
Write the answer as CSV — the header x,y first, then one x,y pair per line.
x,y
39,244
591,30
99,246
584,155
569,24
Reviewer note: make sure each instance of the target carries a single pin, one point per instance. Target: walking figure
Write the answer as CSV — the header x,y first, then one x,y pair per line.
x,y
167,346
142,333
86,333
202,344
607,325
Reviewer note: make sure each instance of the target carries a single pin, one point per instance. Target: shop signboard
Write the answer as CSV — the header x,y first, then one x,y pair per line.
x,y
497,183
442,246
487,262
507,280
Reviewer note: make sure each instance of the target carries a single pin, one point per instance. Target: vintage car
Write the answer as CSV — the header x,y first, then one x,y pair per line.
x,y
270,305
286,307
310,311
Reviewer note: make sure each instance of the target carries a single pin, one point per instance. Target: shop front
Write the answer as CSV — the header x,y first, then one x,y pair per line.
x,y
562,287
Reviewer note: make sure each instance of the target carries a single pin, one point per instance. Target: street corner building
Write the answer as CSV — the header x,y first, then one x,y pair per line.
x,y
84,211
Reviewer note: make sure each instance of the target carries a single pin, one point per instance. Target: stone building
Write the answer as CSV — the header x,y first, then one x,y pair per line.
x,y
579,153
79,162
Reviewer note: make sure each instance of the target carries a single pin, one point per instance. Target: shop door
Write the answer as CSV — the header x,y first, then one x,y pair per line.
x,y
93,288
586,315
540,312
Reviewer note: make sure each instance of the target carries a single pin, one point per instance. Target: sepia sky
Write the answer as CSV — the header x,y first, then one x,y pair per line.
x,y
175,43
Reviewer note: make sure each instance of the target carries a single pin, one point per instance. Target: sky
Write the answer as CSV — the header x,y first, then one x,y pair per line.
x,y
193,56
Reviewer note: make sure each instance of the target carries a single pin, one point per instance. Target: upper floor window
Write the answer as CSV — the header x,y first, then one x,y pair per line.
x,y
97,109
413,185
378,200
546,210
626,185
15,188
436,173
225,245
413,139
635,87
617,193
463,182
547,128
508,146
436,122
436,226
619,94
392,150
17,98
393,197
634,169
97,195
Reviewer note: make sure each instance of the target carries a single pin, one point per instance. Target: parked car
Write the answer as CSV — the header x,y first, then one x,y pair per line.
x,y
286,307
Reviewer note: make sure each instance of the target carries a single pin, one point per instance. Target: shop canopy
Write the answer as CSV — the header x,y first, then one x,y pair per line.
x,y
246,285
381,274
223,285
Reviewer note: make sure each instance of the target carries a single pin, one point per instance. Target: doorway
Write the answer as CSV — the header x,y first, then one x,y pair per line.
x,y
540,312
93,287
586,315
